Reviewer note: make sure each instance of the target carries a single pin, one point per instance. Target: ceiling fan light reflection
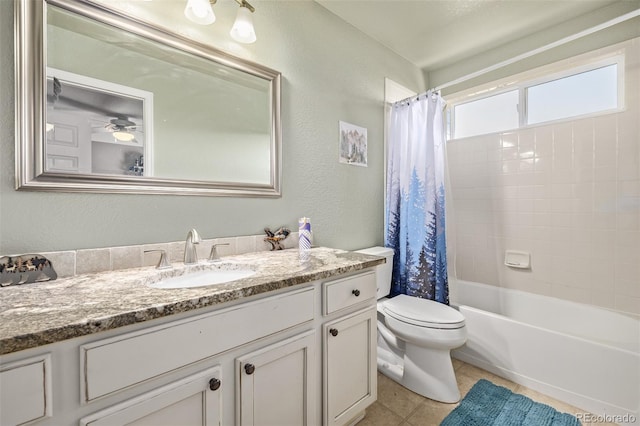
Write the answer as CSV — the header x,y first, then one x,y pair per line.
x,y
243,31
123,136
200,12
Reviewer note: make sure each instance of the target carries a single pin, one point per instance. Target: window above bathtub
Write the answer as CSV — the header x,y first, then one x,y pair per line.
x,y
559,93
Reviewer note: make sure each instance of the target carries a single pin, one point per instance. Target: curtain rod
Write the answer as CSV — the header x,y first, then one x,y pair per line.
x,y
565,40
416,97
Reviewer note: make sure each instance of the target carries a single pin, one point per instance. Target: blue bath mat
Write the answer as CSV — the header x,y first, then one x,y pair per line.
x,y
488,404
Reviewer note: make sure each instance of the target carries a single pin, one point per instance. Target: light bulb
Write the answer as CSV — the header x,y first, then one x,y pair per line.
x,y
123,136
200,12
243,30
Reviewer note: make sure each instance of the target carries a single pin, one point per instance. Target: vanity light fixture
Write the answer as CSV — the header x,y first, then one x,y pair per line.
x,y
123,136
200,12
242,30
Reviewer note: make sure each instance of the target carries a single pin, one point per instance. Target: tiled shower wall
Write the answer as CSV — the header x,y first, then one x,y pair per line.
x,y
567,192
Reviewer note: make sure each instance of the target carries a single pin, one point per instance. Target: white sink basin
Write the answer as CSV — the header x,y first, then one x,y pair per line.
x,y
203,278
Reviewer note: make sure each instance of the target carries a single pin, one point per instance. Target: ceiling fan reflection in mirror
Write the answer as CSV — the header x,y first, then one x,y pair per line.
x,y
121,128
115,112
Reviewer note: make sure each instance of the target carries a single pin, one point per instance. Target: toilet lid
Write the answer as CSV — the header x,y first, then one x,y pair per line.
x,y
423,312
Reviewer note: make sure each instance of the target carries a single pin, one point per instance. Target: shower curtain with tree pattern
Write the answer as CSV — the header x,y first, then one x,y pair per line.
x,y
415,208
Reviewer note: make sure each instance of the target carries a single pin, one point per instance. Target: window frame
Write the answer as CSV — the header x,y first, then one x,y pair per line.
x,y
534,78
485,95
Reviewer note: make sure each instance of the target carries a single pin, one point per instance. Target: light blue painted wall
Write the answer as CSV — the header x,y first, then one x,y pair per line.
x,y
331,72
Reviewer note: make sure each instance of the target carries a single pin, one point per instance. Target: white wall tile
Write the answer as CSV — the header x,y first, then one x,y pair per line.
x,y
629,221
176,251
605,154
544,141
629,189
604,299
63,262
509,140
126,257
605,129
608,174
542,205
627,304
93,260
570,193
561,205
583,132
574,294
246,244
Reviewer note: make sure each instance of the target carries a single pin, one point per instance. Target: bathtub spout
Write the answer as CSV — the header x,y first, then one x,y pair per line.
x,y
388,336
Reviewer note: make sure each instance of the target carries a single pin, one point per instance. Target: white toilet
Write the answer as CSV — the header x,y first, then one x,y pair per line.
x,y
415,338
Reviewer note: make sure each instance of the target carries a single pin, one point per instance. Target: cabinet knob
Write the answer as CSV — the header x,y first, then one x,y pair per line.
x,y
356,292
249,368
333,331
214,384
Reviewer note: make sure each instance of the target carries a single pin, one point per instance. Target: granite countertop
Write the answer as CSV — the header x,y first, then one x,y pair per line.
x,y
37,314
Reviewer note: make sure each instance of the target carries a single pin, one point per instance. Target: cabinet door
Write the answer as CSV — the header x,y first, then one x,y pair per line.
x,y
25,390
193,401
350,380
276,384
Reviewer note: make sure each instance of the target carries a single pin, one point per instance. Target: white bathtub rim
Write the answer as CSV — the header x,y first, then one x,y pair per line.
x,y
626,314
620,345
558,333
597,407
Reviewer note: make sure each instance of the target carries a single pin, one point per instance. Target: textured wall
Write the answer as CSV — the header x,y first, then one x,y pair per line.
x,y
330,71
567,192
512,48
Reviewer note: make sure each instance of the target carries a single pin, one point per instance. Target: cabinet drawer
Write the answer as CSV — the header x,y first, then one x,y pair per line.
x,y
25,387
113,364
346,292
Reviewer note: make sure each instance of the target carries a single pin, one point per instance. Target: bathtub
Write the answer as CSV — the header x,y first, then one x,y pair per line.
x,y
580,354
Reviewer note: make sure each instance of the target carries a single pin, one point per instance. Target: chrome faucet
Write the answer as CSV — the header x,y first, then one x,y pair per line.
x,y
190,254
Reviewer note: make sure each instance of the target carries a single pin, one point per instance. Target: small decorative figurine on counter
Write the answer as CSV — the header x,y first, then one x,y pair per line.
x,y
276,238
24,269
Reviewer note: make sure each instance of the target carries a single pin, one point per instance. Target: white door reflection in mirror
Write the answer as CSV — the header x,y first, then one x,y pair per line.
x,y
97,127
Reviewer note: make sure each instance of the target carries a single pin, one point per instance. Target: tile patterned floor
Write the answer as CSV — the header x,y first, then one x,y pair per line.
x,y
397,406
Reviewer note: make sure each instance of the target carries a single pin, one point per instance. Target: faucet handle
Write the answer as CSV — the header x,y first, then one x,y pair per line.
x,y
163,263
214,252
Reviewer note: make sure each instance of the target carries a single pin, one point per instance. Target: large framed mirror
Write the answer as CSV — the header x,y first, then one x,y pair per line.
x,y
108,103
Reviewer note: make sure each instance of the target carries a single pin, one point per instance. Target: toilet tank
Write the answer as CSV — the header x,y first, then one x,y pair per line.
x,y
383,272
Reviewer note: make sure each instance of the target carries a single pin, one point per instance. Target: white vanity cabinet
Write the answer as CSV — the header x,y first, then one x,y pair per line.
x,y
268,360
349,348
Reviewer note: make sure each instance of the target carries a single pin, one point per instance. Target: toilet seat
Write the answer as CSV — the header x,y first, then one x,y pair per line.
x,y
423,312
